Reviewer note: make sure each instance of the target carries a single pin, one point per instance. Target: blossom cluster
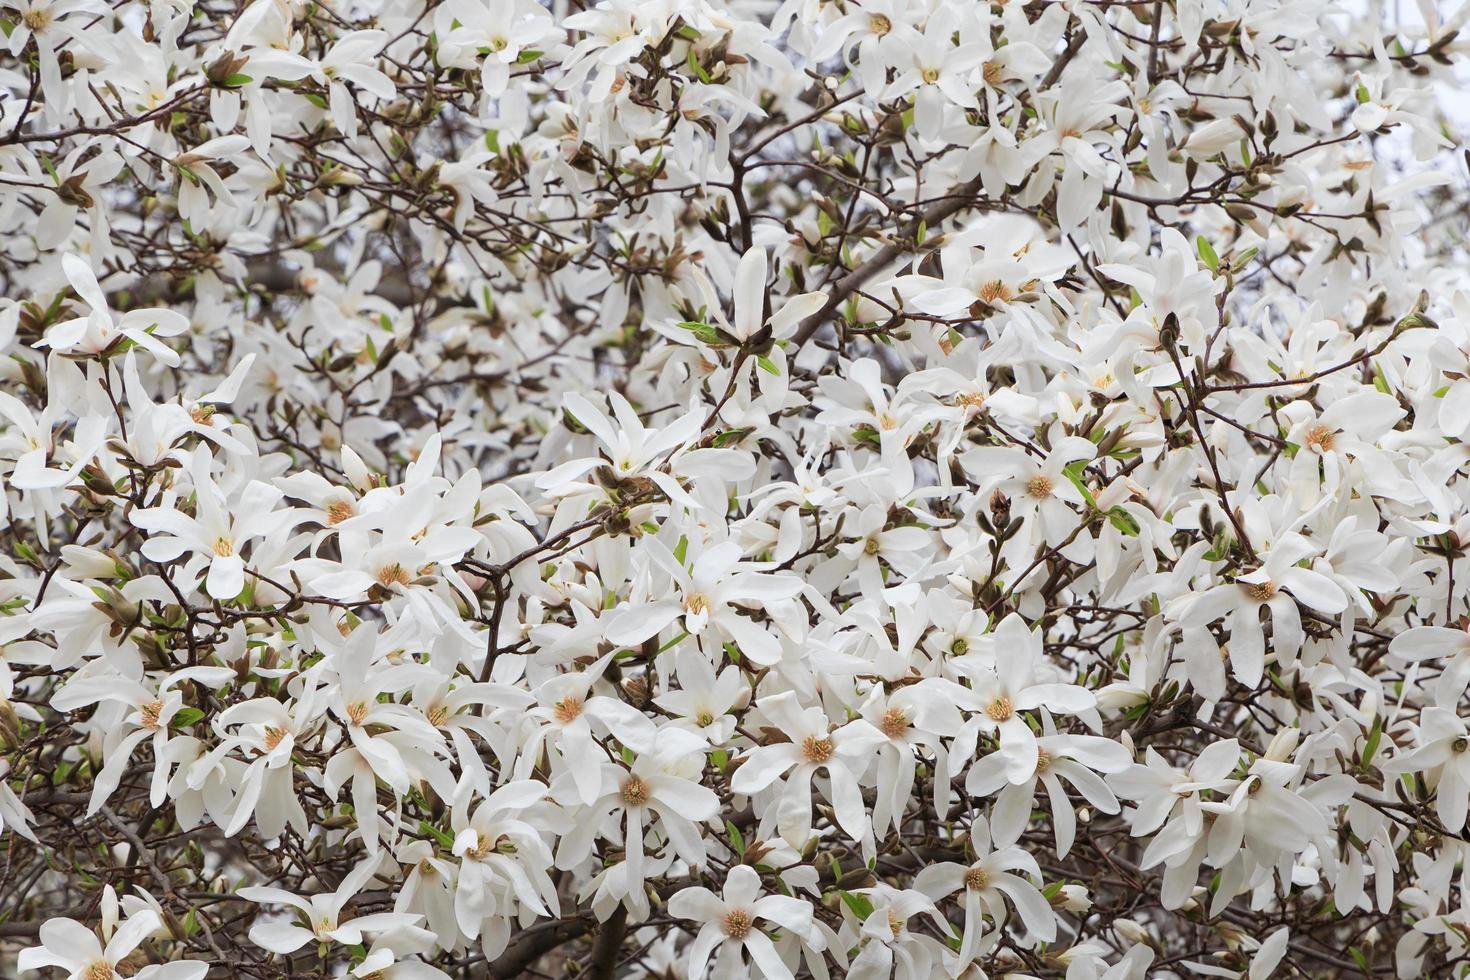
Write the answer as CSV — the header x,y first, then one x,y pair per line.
x,y
683,488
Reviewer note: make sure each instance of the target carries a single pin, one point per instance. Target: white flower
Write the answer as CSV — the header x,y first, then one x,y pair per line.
x,y
99,332
730,923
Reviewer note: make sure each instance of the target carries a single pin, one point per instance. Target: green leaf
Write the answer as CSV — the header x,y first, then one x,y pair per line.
x,y
1123,521
1375,735
1207,253
767,365
737,842
861,907
185,718
445,839
1074,474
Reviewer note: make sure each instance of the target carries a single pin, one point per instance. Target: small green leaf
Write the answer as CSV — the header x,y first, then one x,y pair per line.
x,y
861,907
185,718
1207,253
737,842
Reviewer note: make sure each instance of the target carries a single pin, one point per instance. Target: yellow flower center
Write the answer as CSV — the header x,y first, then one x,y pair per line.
x,y
1039,487
976,879
150,713
394,574
817,750
894,723
635,791
1321,438
1261,591
971,399
737,923
996,291
1000,709
223,546
568,709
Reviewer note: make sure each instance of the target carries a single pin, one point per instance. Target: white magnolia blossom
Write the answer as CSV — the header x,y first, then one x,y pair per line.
x,y
738,488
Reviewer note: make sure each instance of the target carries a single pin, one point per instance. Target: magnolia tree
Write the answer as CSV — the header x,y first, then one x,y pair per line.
x,y
685,488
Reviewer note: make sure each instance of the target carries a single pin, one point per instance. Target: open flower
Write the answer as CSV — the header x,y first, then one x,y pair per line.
x,y
68,945
730,923
815,744
99,332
